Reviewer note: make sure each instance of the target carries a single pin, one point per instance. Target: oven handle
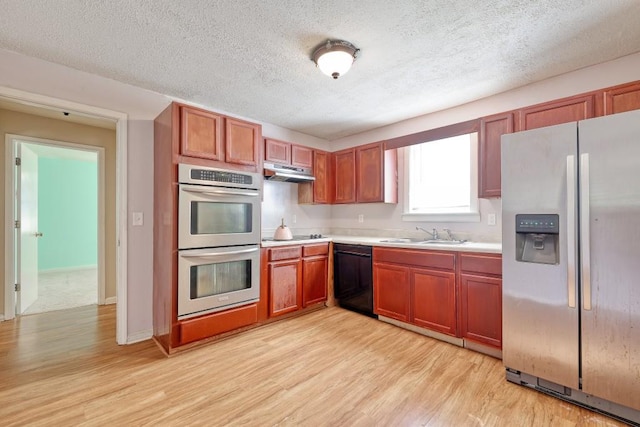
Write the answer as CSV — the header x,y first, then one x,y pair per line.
x,y
224,192
209,254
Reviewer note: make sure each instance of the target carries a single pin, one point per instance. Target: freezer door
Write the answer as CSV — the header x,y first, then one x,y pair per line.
x,y
610,254
540,318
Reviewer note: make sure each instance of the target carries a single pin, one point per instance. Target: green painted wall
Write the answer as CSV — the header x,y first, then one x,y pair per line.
x,y
67,213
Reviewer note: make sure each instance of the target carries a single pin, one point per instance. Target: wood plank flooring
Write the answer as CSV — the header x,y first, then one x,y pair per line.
x,y
327,368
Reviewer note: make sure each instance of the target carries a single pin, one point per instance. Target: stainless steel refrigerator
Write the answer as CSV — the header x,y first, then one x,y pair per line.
x,y
571,261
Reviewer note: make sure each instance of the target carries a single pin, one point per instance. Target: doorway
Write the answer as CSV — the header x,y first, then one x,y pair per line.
x,y
59,239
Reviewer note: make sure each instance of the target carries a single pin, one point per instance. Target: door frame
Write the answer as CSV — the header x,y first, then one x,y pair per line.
x,y
121,121
11,143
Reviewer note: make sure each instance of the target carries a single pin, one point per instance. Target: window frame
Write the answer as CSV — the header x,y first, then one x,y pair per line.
x,y
471,216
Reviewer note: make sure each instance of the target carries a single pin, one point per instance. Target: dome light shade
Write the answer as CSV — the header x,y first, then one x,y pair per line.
x,y
334,58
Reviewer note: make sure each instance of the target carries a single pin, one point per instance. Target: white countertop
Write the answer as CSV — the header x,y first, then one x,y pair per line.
x,y
495,248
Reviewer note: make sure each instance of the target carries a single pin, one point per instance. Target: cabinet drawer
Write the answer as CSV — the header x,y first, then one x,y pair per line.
x,y
315,250
217,323
421,258
481,263
287,252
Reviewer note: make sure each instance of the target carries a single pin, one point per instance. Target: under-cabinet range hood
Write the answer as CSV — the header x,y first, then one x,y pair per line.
x,y
287,173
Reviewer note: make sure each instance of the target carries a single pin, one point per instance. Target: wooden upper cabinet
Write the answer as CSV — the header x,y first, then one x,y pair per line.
x,y
277,151
200,134
376,174
320,191
344,166
287,154
301,156
242,142
491,130
619,99
565,110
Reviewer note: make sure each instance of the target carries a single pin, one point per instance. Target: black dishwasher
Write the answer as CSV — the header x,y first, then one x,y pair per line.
x,y
353,277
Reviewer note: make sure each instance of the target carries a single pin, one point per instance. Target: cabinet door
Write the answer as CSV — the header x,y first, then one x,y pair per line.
x,y
491,129
554,113
345,176
434,300
324,178
481,306
242,142
301,156
391,291
200,134
370,174
314,280
620,99
285,293
277,151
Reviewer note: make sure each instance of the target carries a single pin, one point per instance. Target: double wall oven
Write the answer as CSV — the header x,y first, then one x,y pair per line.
x,y
218,239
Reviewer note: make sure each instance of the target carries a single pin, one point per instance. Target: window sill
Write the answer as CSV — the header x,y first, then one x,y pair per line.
x,y
442,217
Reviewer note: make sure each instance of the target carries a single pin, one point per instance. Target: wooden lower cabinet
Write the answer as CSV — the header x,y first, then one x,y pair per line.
x,y
417,287
296,277
314,280
217,323
481,307
391,291
285,293
481,298
434,300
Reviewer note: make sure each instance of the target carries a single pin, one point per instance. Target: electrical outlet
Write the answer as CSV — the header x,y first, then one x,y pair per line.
x,y
294,219
138,218
361,218
491,219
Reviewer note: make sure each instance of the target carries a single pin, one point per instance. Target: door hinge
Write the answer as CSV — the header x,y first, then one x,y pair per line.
x,y
17,223
17,287
18,161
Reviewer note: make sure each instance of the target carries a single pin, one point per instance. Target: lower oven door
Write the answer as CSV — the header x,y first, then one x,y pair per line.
x,y
216,279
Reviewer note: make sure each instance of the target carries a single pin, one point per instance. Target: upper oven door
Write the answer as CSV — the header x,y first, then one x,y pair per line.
x,y
217,216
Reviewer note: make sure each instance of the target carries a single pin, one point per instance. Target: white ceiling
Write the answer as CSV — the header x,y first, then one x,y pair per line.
x,y
251,58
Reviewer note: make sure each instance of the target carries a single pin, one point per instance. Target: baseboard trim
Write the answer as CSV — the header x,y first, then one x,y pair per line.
x,y
64,269
110,300
140,336
1,317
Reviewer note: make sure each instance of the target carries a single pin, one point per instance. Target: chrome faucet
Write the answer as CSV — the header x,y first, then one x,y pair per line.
x,y
449,235
433,234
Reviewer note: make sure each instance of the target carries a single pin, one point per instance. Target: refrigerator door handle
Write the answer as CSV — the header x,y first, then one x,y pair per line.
x,y
585,243
571,231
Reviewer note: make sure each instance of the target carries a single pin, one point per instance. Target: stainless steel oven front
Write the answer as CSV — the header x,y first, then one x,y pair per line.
x,y
217,207
215,279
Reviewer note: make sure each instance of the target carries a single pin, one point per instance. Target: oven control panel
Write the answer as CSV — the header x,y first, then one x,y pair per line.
x,y
191,174
220,176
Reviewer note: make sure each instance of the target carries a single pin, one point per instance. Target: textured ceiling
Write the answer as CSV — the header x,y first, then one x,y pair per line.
x,y
251,58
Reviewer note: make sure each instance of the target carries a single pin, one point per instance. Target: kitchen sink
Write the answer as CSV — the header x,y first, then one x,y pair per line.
x,y
442,242
402,240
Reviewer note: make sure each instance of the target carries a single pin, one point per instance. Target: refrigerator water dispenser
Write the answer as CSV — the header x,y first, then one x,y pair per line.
x,y
537,238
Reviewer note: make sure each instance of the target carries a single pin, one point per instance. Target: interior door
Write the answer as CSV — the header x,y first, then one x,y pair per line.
x,y
27,234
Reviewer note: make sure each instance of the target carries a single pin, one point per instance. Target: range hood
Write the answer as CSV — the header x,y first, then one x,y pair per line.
x,y
287,173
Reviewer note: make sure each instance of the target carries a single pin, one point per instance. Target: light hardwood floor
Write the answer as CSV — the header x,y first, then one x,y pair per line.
x,y
327,368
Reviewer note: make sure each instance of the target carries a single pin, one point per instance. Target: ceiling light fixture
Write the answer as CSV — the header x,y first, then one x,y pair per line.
x,y
334,58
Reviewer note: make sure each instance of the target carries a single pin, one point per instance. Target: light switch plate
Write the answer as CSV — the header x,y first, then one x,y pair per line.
x,y
491,219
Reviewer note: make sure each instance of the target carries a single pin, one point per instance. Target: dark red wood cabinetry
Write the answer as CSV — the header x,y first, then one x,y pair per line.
x,y
618,99
566,110
226,141
481,298
491,130
321,190
366,174
417,287
296,277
